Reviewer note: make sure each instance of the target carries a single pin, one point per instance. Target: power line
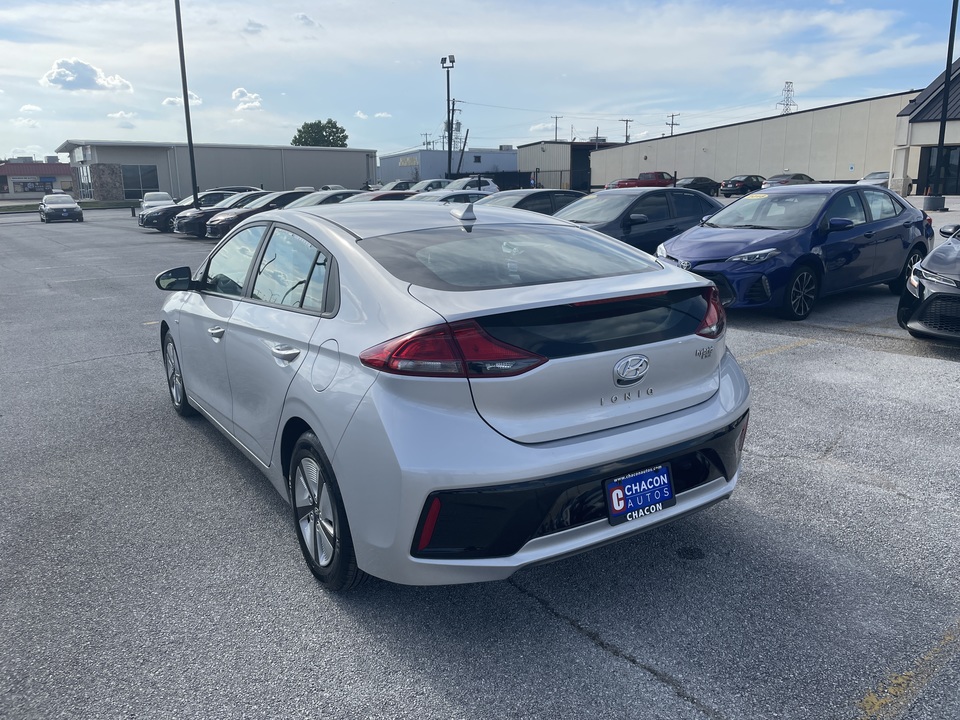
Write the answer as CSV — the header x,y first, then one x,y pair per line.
x,y
672,124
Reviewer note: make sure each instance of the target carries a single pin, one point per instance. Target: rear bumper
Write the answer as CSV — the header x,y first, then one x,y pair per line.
x,y
514,505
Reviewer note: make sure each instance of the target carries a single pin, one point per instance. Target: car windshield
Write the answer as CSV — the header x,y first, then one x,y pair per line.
x,y
597,208
263,201
502,199
503,256
464,183
772,212
157,197
877,176
780,177
58,200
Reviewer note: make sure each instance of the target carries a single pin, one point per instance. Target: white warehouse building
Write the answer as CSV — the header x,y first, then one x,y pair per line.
x,y
836,143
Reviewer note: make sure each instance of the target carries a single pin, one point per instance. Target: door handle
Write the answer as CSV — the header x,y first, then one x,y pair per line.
x,y
216,332
284,352
868,235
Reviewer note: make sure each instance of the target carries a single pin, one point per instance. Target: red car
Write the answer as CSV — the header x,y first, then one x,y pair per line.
x,y
644,179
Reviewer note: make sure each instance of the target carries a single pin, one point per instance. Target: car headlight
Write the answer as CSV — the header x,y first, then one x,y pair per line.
x,y
932,277
754,256
661,250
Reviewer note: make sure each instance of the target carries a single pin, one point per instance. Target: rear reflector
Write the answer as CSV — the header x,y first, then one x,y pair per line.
x,y
429,524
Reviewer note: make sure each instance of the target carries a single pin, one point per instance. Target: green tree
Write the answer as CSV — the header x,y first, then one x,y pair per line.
x,y
320,134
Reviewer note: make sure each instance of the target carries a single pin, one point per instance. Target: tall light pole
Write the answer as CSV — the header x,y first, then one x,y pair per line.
x,y
194,188
446,62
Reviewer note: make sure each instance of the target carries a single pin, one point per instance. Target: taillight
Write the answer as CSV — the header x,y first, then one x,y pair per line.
x,y
739,184
715,319
460,349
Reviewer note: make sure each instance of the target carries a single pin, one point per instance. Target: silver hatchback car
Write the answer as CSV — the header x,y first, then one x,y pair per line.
x,y
449,395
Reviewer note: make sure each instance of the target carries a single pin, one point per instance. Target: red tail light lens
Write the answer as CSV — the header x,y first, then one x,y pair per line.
x,y
459,349
715,319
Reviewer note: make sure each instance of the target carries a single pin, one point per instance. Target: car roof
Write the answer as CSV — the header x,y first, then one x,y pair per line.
x,y
808,189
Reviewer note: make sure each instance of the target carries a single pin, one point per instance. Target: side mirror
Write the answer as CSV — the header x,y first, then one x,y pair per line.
x,y
948,230
637,219
175,279
839,224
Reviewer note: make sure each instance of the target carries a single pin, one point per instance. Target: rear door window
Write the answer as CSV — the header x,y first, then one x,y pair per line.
x,y
687,204
286,266
881,205
653,205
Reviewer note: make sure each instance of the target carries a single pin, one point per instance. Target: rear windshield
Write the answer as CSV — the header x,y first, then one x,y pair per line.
x,y
503,256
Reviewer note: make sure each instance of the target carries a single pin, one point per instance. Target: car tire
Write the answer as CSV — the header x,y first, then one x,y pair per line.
x,y
320,518
42,219
726,195
171,366
166,225
916,254
79,219
801,293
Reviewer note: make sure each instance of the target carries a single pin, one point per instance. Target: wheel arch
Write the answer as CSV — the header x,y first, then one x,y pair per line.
x,y
293,430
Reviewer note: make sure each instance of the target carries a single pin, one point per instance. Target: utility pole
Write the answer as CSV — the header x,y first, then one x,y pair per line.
x,y
556,127
446,62
626,129
426,140
673,124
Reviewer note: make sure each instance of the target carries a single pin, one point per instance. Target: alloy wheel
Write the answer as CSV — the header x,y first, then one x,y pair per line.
x,y
174,377
803,293
315,515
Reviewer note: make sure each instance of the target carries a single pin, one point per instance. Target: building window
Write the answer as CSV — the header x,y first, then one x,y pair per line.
x,y
139,179
477,159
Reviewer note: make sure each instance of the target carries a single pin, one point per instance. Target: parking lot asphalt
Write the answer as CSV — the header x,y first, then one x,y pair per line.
x,y
148,570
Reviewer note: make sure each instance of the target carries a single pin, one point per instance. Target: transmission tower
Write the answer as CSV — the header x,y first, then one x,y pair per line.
x,y
788,104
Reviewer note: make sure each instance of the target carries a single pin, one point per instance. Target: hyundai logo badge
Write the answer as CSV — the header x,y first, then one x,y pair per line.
x,y
630,370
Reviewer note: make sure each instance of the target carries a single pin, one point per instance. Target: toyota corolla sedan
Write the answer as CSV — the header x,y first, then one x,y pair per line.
x,y
930,304
448,395
784,247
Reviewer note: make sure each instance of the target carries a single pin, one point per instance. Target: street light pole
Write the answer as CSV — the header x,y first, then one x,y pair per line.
x,y
446,62
186,109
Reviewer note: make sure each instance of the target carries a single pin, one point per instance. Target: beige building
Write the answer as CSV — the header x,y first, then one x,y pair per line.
x,y
106,170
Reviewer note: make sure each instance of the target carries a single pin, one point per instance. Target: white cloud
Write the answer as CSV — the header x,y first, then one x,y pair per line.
x,y
540,127
383,115
305,19
22,122
360,114
178,101
30,109
77,75
254,28
247,100
121,115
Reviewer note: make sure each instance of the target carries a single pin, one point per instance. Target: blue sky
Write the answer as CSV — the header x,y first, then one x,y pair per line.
x,y
110,70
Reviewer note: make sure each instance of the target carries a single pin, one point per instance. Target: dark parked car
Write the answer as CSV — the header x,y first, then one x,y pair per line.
x,y
642,217
324,197
787,246
380,195
741,185
60,206
706,185
194,220
930,302
541,201
162,218
787,179
221,223
657,178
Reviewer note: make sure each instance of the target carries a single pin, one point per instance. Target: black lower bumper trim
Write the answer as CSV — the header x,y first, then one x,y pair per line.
x,y
488,522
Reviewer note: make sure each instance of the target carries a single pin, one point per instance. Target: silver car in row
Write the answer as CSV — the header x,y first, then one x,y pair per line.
x,y
449,395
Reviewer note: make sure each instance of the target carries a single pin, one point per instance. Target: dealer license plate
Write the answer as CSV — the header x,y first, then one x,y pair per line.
x,y
639,494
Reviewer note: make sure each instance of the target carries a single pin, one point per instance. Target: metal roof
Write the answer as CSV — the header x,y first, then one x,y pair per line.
x,y
928,105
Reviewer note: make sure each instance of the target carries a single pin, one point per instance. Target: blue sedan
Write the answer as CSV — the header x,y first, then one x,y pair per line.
x,y
784,247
